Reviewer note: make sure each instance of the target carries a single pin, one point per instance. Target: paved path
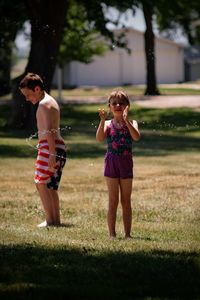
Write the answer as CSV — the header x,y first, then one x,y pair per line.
x,y
146,101
170,101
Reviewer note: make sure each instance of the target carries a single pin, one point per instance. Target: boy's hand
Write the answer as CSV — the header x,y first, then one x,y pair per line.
x,y
52,163
102,114
125,113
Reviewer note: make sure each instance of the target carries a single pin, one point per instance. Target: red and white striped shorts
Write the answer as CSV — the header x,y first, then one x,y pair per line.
x,y
42,174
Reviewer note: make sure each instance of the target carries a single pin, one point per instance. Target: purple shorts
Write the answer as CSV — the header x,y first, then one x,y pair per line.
x,y
118,166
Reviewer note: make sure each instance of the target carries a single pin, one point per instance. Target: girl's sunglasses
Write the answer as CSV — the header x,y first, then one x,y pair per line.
x,y
117,103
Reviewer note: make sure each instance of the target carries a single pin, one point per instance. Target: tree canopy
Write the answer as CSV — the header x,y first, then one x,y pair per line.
x,y
178,14
81,20
81,40
12,17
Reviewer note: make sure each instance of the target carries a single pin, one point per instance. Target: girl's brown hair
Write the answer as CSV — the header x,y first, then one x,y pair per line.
x,y
119,95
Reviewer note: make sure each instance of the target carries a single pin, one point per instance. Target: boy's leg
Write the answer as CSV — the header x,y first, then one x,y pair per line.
x,y
47,202
126,189
113,194
55,207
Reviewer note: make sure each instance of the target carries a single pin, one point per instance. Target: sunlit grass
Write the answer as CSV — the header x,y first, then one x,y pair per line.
x,y
77,260
132,90
165,196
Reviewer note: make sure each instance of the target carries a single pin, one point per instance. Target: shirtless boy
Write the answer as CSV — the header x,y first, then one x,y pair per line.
x,y
51,147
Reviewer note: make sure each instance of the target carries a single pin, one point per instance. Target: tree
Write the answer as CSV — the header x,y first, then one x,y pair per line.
x,y
148,7
81,41
11,20
172,15
47,20
151,88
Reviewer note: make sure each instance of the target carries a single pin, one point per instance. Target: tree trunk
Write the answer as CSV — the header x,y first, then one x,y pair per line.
x,y
47,19
5,67
11,20
151,88
23,112
59,83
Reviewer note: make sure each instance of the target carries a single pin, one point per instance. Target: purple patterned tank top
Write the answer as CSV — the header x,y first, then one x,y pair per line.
x,y
119,140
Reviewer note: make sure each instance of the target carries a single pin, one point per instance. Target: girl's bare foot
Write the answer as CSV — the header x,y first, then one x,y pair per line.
x,y
112,236
128,236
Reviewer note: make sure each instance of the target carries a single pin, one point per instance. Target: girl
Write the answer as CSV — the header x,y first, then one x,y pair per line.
x,y
118,169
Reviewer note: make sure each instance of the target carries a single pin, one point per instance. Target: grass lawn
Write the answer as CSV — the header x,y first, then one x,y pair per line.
x,y
78,260
132,90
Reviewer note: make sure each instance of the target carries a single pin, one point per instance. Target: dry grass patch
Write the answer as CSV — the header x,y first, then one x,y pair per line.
x,y
78,260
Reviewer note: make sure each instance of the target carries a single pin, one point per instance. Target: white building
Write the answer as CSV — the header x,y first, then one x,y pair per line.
x,y
118,68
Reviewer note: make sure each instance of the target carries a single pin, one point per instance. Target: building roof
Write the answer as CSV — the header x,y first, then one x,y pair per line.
x,y
129,29
192,54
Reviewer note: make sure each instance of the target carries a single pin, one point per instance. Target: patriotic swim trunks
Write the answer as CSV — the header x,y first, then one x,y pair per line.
x,y
42,174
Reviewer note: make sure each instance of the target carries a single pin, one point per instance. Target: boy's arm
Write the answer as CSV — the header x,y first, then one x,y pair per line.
x,y
50,135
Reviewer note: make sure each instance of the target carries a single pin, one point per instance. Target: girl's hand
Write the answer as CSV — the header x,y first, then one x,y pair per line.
x,y
102,114
125,113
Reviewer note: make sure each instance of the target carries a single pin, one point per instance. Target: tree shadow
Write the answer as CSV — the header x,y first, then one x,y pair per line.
x,y
33,272
149,145
168,118
163,132
164,144
18,151
84,115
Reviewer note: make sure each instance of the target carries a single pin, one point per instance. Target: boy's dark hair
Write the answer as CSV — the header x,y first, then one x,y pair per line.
x,y
30,81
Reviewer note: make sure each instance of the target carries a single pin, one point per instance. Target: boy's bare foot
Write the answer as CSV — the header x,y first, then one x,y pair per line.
x,y
56,224
43,224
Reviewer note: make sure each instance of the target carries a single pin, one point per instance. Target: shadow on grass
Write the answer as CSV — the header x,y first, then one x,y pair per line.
x,y
162,144
162,132
167,119
86,116
20,151
149,145
38,273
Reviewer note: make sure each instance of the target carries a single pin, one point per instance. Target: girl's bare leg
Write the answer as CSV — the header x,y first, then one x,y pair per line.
x,y
113,194
126,189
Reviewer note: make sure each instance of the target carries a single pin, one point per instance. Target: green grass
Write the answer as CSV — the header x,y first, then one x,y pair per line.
x,y
132,90
78,260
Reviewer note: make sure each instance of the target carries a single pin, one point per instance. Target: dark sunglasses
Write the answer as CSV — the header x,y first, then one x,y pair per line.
x,y
118,103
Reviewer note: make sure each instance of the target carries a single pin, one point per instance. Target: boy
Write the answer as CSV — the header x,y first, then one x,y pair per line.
x,y
51,148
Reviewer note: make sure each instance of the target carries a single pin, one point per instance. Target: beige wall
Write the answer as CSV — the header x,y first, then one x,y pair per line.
x,y
118,67
169,62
